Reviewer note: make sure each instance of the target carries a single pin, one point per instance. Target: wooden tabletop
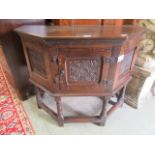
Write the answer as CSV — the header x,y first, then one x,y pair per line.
x,y
49,32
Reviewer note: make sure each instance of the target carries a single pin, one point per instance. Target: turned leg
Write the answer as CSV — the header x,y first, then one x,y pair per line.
x,y
103,115
121,96
59,111
39,96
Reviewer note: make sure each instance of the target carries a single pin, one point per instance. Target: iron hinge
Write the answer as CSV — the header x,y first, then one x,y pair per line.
x,y
110,60
55,59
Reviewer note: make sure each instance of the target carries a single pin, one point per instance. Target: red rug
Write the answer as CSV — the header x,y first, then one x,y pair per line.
x,y
13,119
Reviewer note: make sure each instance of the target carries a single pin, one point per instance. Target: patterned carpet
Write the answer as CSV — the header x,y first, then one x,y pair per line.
x,y
13,118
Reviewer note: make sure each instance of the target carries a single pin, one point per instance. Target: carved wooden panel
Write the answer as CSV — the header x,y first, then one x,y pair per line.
x,y
84,69
37,62
126,64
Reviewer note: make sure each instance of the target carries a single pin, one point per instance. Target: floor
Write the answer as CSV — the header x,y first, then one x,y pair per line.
x,y
125,120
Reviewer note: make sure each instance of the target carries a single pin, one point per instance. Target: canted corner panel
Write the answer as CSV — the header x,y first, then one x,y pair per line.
x,y
83,69
126,63
36,60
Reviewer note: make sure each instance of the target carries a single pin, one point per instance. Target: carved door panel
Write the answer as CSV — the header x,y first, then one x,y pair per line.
x,y
82,67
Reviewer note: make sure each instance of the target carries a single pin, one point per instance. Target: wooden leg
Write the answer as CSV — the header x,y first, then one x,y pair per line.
x,y
121,97
103,115
59,111
39,96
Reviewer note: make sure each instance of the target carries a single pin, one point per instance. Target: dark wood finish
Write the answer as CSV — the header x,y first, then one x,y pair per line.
x,y
120,100
39,96
14,64
103,114
79,61
59,110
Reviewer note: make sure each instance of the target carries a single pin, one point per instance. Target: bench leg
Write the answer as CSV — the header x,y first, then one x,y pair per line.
x,y
122,95
39,96
59,111
103,114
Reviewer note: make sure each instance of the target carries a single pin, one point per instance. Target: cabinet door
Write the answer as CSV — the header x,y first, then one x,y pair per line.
x,y
82,68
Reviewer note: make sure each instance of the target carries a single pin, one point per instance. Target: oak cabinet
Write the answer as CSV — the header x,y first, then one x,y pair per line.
x,y
80,61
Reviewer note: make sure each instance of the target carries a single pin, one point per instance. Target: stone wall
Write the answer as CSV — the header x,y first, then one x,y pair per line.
x,y
146,57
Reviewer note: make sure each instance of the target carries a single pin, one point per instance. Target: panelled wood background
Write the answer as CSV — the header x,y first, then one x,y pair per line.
x,y
117,22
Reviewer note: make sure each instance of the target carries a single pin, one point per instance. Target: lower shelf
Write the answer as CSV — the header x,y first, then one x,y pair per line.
x,y
98,119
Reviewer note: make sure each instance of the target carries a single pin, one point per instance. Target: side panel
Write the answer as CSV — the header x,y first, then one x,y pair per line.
x,y
129,51
38,61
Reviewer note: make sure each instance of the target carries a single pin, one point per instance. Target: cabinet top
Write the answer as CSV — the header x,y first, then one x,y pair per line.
x,y
75,32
